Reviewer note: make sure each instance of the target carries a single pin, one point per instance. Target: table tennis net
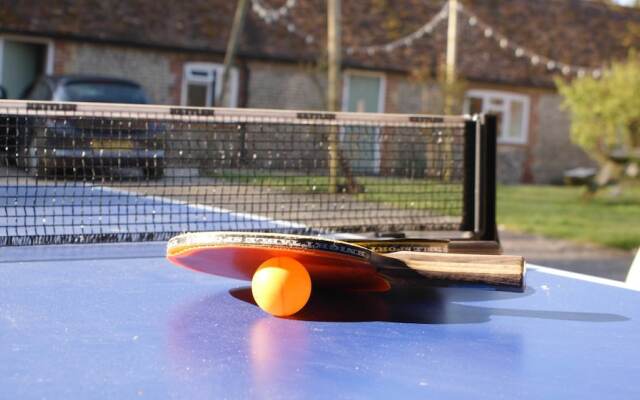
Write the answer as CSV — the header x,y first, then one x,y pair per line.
x,y
74,173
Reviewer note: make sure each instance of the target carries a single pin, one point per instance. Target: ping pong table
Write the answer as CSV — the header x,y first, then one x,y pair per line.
x,y
118,321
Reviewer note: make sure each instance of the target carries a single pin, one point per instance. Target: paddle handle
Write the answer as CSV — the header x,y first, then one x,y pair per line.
x,y
492,270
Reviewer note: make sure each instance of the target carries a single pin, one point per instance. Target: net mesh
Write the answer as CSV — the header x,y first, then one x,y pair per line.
x,y
97,172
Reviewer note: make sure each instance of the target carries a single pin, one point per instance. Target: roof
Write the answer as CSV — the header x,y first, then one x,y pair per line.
x,y
572,32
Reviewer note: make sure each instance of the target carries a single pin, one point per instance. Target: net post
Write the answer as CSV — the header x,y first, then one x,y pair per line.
x,y
490,129
479,199
469,181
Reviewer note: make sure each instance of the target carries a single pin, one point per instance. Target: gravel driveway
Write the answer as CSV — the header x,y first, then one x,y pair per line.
x,y
563,254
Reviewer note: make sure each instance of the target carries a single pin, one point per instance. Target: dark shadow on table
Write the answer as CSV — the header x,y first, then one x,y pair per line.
x,y
431,305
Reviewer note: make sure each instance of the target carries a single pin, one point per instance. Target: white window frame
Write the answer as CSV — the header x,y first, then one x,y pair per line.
x,y
507,98
212,69
48,68
372,74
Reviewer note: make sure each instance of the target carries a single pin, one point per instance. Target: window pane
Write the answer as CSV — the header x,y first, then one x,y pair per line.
x,y
215,90
475,105
200,74
517,115
196,95
494,101
499,122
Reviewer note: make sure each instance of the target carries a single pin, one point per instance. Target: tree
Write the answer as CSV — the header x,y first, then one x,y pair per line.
x,y
605,112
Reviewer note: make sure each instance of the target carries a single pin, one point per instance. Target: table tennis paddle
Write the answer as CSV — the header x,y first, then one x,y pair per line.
x,y
339,264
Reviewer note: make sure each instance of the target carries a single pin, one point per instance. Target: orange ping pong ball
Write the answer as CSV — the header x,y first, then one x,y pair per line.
x,y
281,286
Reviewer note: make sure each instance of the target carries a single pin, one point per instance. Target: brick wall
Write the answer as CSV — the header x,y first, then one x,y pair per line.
x,y
149,68
552,151
511,163
411,96
403,95
286,86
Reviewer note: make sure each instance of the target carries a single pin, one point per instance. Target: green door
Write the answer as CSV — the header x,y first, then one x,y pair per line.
x,y
361,145
22,63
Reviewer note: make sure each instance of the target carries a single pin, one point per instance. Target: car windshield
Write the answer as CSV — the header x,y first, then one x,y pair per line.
x,y
104,92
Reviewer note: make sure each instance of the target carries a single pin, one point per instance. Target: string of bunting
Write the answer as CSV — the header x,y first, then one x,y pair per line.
x,y
522,52
406,41
270,15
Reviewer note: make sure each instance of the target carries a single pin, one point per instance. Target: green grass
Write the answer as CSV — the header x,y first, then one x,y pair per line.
x,y
393,191
293,182
562,212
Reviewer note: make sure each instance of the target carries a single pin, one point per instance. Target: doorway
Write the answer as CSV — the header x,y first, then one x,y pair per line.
x,y
21,62
363,92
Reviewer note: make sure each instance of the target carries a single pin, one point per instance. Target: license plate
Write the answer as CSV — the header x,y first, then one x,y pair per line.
x,y
112,144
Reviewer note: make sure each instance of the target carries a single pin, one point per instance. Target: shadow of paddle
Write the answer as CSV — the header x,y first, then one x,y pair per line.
x,y
424,306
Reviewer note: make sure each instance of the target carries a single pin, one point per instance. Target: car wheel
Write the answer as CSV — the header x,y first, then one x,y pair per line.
x,y
36,164
154,172
9,140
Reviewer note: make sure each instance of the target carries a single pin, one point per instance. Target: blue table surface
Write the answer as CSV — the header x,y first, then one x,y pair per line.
x,y
119,321
78,209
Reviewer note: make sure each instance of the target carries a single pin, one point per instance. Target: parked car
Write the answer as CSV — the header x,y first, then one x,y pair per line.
x,y
42,145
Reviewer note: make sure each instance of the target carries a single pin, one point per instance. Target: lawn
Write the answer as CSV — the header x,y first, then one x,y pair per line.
x,y
404,193
608,218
